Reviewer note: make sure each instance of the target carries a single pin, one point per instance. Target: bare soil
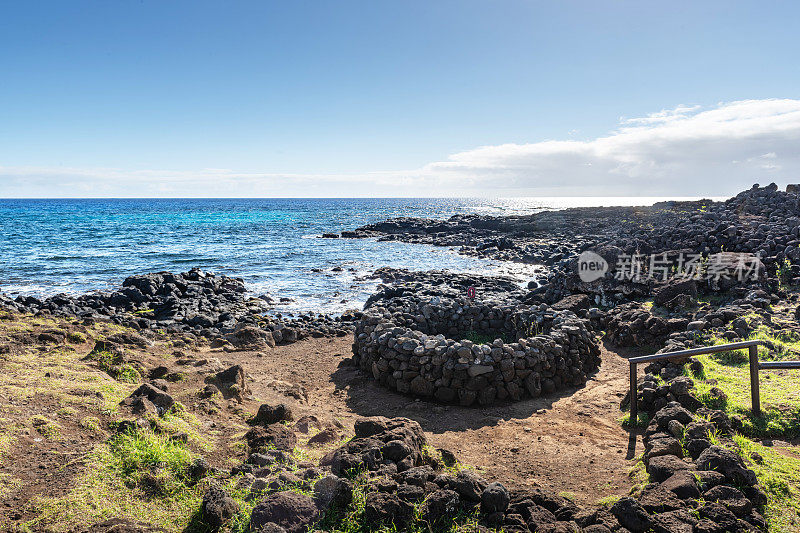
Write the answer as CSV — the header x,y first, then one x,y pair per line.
x,y
570,442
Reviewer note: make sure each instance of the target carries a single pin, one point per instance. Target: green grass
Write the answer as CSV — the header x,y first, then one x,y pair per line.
x,y
151,461
779,389
142,476
608,501
642,420
92,423
47,428
76,337
568,495
779,477
8,484
784,273
137,475
114,367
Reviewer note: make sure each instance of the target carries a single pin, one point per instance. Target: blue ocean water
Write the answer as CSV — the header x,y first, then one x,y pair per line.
x,y
75,246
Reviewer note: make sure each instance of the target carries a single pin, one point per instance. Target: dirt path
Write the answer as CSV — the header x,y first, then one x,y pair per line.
x,y
569,442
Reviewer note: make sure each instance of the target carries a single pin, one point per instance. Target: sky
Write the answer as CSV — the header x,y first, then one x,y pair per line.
x,y
124,98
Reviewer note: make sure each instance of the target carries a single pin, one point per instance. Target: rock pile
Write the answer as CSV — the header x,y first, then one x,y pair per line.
x,y
195,302
403,484
414,342
406,485
709,490
761,221
633,325
698,481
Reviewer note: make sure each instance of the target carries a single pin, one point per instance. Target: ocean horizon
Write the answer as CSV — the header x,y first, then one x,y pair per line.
x,y
74,246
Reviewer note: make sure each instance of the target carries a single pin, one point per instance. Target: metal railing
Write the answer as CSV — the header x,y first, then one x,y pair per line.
x,y
755,366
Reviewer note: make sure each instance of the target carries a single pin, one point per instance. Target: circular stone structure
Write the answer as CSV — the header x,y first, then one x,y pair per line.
x,y
415,344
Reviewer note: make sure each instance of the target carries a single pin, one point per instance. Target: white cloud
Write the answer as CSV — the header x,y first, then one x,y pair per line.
x,y
686,151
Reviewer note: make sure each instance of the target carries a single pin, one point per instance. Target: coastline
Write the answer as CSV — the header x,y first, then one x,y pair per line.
x,y
454,354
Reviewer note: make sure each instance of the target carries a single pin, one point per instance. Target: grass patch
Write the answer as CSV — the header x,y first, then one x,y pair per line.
x,y
138,475
642,420
75,337
779,477
608,501
92,423
46,427
780,389
67,411
151,461
115,367
8,484
568,495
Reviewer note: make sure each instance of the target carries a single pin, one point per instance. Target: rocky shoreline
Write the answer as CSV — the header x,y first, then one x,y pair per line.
x,y
478,341
196,303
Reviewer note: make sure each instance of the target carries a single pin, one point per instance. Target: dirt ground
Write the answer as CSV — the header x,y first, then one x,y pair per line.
x,y
571,442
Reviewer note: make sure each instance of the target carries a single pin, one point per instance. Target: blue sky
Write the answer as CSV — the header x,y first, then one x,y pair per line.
x,y
341,98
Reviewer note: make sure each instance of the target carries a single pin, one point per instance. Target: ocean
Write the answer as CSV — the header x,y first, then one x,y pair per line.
x,y
75,246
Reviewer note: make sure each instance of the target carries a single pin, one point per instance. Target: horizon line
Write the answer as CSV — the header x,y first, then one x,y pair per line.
x,y
701,197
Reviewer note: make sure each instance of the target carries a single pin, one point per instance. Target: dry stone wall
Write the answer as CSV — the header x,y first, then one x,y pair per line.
x,y
415,344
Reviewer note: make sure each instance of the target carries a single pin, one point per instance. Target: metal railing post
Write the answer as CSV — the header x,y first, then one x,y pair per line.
x,y
754,391
634,400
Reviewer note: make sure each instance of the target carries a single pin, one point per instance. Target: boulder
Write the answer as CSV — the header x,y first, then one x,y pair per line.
x,y
217,507
731,498
468,485
440,507
574,303
656,499
631,515
683,484
662,467
674,288
719,515
663,446
333,491
276,436
271,414
494,498
326,436
231,382
727,463
160,399
251,338
707,479
677,521
696,446
387,508
290,510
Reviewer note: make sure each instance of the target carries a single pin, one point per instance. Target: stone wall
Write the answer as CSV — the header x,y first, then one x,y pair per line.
x,y
414,344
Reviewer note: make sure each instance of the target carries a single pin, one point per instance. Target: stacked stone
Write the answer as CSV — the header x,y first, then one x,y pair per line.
x,y
707,488
412,344
634,325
